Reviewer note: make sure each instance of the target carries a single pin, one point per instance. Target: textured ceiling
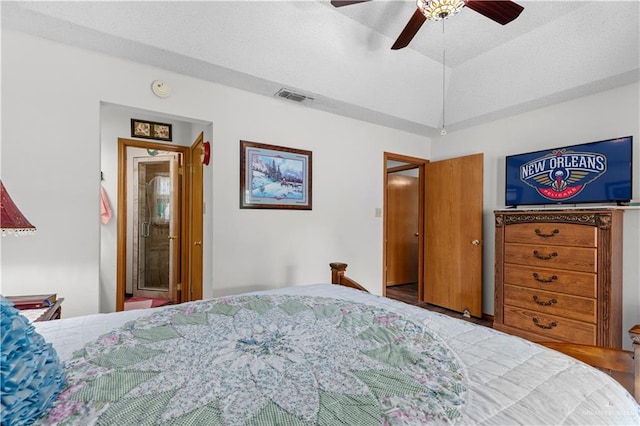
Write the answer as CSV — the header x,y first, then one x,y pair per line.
x,y
555,51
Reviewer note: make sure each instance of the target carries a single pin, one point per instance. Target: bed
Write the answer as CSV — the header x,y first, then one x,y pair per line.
x,y
320,354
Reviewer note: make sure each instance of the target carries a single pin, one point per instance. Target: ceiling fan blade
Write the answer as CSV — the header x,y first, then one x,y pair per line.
x,y
502,12
410,30
337,3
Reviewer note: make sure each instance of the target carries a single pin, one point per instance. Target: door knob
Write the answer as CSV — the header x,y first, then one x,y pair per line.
x,y
172,237
416,234
197,243
475,242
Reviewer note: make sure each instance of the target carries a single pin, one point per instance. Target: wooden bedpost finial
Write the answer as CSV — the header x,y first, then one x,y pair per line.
x,y
337,272
339,266
338,277
634,334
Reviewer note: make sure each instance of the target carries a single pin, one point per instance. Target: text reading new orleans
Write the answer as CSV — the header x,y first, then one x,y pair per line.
x,y
575,161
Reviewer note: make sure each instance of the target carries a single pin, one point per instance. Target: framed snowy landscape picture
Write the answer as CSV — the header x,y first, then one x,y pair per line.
x,y
274,177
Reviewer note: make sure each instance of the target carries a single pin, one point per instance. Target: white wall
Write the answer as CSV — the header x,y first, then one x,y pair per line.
x,y
605,115
51,107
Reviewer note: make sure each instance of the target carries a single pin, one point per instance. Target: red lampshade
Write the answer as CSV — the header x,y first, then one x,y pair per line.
x,y
12,221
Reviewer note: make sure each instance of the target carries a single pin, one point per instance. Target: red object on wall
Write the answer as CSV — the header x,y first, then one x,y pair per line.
x,y
206,153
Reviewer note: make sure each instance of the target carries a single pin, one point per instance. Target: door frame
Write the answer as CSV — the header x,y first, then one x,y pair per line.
x,y
411,163
121,241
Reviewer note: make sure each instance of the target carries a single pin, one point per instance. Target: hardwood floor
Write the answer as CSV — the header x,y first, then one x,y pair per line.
x,y
408,293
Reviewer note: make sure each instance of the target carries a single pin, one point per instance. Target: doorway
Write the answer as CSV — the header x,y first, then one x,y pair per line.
x,y
155,202
449,232
403,251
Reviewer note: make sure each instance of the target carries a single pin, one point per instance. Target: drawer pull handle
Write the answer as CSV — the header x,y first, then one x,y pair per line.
x,y
536,321
552,234
541,303
544,280
543,257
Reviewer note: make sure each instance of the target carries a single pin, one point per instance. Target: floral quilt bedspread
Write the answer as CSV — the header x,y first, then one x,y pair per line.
x,y
264,360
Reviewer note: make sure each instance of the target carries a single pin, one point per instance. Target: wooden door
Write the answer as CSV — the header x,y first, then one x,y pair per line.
x,y
402,229
196,231
453,234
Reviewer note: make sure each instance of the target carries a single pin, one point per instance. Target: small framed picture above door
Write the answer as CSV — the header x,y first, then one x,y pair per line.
x,y
150,130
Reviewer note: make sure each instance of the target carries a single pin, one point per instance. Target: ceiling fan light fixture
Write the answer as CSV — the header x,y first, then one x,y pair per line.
x,y
437,10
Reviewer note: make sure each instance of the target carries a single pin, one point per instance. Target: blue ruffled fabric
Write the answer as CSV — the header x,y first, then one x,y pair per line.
x,y
32,375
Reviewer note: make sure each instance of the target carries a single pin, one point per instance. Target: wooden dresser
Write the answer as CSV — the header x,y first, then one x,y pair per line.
x,y
558,275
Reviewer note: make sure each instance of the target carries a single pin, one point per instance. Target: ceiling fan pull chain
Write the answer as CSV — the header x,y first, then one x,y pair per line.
x,y
444,130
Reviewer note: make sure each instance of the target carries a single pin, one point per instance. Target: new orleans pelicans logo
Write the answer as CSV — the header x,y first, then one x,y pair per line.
x,y
562,174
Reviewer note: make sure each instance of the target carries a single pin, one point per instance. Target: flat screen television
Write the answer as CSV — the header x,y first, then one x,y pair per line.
x,y
595,172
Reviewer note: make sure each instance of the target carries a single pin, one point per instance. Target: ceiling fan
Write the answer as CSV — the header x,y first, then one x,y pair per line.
x,y
500,11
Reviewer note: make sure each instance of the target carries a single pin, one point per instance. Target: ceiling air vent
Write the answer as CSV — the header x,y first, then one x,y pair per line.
x,y
292,96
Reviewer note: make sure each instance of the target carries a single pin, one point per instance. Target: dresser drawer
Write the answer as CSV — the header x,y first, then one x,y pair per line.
x,y
562,234
555,280
550,327
549,303
560,257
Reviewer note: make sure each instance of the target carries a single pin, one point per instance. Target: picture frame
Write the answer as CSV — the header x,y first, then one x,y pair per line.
x,y
151,130
275,177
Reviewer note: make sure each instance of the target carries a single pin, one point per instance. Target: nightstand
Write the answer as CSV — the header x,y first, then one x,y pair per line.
x,y
44,307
